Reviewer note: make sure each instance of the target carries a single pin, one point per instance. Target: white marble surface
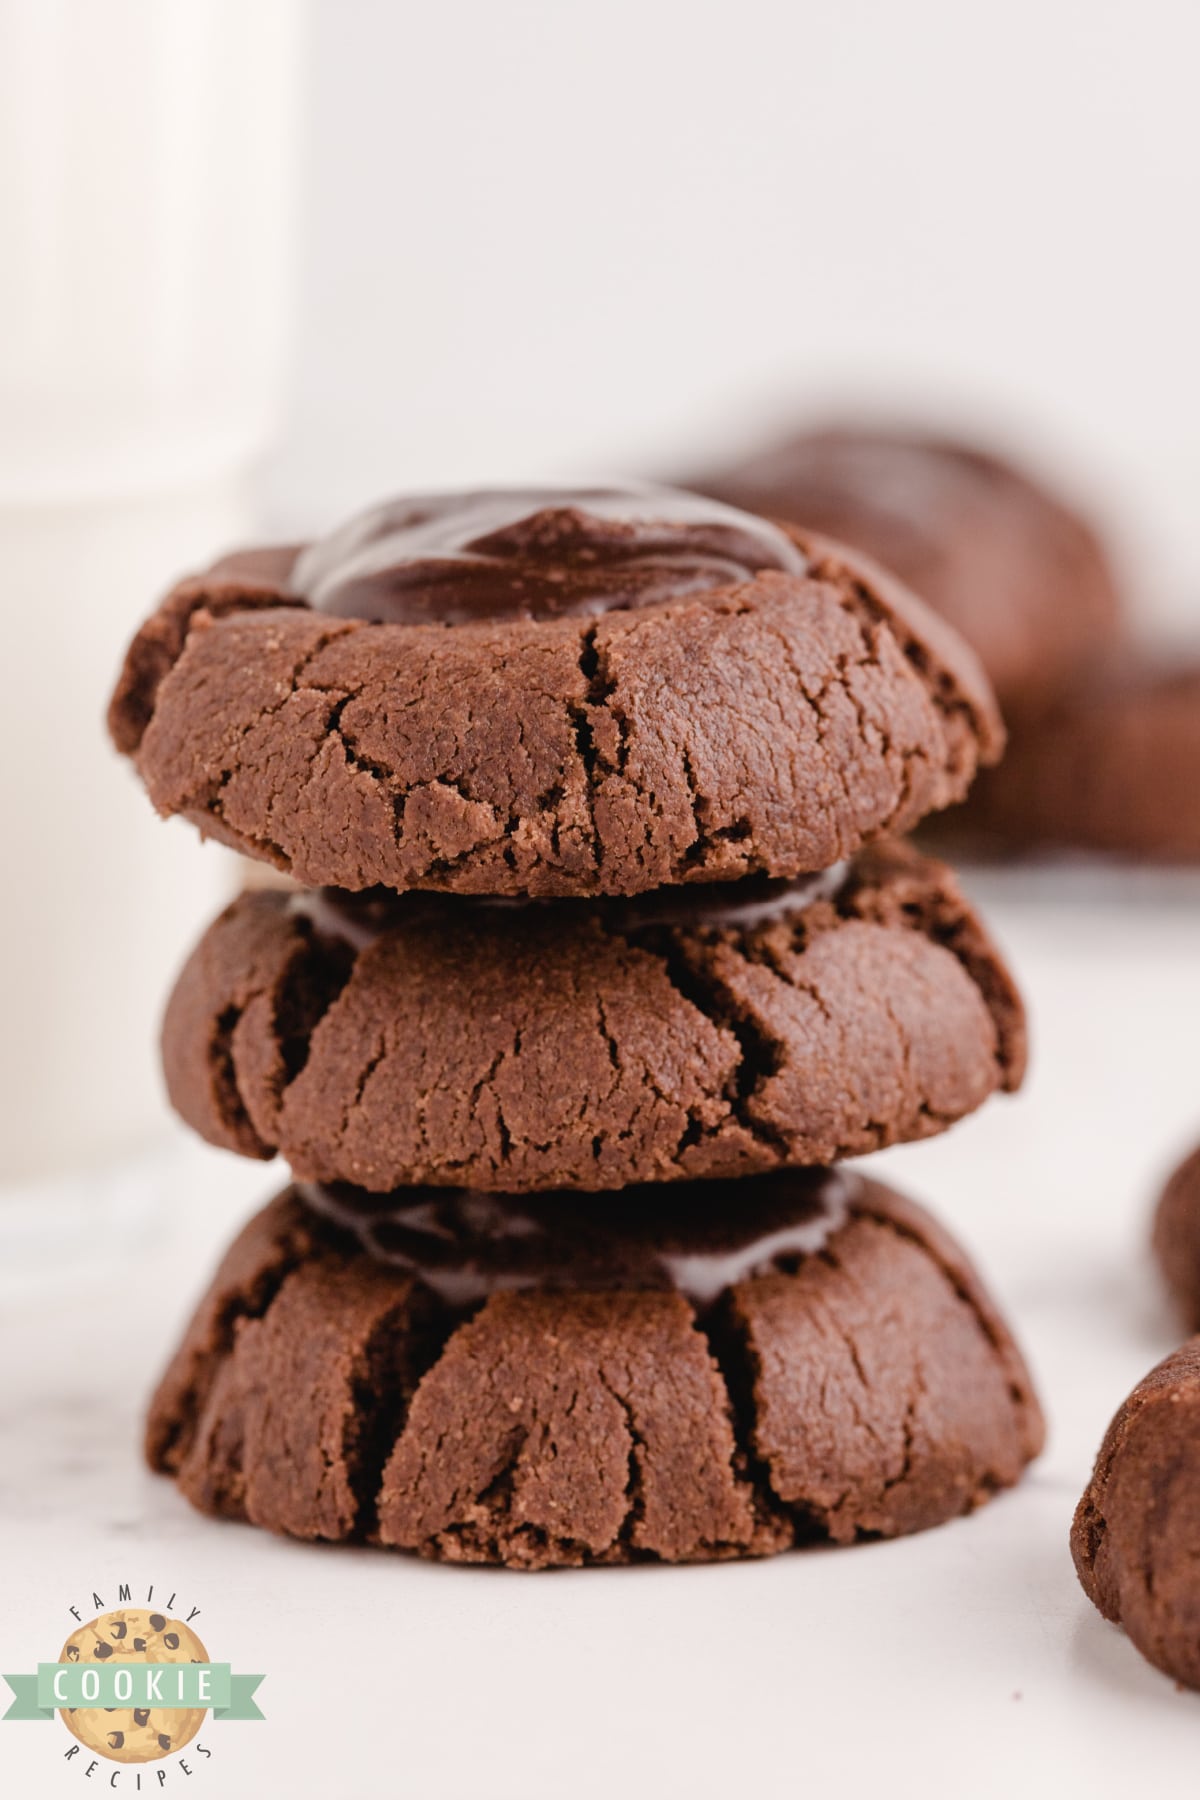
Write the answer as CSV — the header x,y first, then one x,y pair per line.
x,y
962,1661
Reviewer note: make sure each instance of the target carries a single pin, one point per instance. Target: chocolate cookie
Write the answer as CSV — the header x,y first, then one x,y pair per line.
x,y
584,1379
551,693
691,1032
1177,1238
1023,578
1136,1536
1112,765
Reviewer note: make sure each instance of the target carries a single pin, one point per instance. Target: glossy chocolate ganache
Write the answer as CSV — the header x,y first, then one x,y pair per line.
x,y
751,904
534,553
700,1239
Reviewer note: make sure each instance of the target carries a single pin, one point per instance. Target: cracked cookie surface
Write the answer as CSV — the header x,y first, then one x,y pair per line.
x,y
1023,577
453,1041
706,717
815,1360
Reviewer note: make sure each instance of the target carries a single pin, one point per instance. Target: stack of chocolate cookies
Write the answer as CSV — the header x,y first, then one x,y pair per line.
x,y
607,951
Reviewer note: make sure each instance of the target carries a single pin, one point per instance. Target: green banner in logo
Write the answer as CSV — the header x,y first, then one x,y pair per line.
x,y
165,1686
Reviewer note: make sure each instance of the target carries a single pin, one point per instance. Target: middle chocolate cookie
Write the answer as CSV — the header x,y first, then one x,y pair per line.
x,y
389,1041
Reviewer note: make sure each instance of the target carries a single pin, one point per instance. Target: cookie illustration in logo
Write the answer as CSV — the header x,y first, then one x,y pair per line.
x,y
125,1734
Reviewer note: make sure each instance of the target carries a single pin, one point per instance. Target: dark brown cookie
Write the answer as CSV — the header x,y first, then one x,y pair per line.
x,y
1177,1238
1136,1536
1111,765
1022,577
551,694
553,1044
805,1357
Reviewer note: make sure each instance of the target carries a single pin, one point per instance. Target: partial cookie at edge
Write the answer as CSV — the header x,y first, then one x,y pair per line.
x,y
1136,1533
1176,1237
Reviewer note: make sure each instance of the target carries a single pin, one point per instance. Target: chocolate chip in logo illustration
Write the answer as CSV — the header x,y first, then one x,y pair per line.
x,y
171,1640
119,1731
157,1621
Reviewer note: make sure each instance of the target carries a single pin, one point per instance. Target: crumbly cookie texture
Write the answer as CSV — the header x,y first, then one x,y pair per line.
x,y
1136,1535
774,725
561,1046
1022,576
1177,1238
127,1734
866,1390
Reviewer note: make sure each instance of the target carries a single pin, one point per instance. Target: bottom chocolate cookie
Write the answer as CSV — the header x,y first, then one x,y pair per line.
x,y
578,1379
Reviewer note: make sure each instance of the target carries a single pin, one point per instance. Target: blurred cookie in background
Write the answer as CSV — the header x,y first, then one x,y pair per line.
x,y
1111,764
1016,570
1136,1534
1177,1238
1104,736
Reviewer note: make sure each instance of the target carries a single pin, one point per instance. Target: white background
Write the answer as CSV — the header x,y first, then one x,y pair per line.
x,y
548,235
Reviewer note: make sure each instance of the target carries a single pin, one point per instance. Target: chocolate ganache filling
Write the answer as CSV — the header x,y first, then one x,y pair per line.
x,y
699,1240
752,904
534,553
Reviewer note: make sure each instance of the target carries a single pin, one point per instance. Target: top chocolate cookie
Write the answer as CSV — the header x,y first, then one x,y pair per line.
x,y
1022,576
551,692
